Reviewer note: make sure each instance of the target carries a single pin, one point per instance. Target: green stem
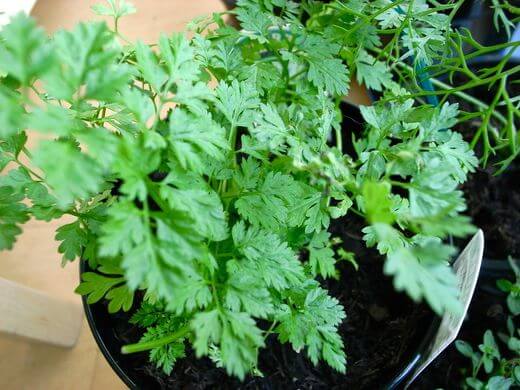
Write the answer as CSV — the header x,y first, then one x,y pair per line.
x,y
28,169
231,194
270,330
339,139
147,345
457,91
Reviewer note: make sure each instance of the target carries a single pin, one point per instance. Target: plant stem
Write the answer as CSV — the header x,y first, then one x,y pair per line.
x,y
17,160
271,329
147,345
448,88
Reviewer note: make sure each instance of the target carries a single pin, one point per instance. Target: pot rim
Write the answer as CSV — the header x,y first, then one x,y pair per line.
x,y
83,267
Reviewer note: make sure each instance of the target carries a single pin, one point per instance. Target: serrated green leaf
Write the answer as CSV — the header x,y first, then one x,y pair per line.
x,y
330,74
194,139
236,333
377,202
12,115
73,239
372,73
12,213
313,323
268,205
321,255
237,101
73,176
86,56
198,200
139,104
247,292
254,22
24,51
148,65
114,8
97,286
422,271
267,256
179,57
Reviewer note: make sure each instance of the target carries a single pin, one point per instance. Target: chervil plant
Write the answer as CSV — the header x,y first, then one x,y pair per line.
x,y
205,172
408,50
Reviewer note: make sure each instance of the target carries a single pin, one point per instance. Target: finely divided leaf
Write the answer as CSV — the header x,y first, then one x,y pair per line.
x,y
74,175
202,204
326,70
267,256
236,333
115,8
313,323
194,139
321,255
87,55
423,272
111,287
237,101
73,239
247,292
24,51
268,205
149,67
12,114
12,213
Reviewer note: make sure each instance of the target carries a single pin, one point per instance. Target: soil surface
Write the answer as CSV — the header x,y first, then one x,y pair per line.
x,y
381,331
494,206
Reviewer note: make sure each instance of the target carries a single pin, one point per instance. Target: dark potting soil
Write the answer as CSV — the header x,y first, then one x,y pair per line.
x,y
494,206
493,200
382,329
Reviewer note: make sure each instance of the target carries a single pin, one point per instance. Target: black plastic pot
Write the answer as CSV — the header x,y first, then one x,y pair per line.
x,y
102,323
101,326
98,320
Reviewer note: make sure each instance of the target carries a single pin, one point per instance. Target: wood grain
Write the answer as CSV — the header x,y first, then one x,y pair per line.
x,y
31,314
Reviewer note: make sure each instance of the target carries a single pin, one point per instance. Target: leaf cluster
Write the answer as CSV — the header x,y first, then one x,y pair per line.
x,y
409,49
202,171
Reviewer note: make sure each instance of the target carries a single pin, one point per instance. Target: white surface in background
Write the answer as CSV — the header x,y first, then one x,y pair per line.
x,y
9,8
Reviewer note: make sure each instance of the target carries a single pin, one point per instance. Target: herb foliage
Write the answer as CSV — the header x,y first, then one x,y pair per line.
x,y
200,170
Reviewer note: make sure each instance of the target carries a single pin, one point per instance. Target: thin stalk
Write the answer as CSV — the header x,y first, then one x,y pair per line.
x,y
457,91
28,169
270,330
147,345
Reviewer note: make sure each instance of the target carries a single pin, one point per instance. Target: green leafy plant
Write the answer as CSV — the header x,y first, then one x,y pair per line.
x,y
408,49
500,371
202,171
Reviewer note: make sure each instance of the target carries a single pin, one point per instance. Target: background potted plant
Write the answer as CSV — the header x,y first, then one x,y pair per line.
x,y
217,215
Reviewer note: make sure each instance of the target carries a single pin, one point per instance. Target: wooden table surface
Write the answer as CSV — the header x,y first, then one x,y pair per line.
x,y
35,262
